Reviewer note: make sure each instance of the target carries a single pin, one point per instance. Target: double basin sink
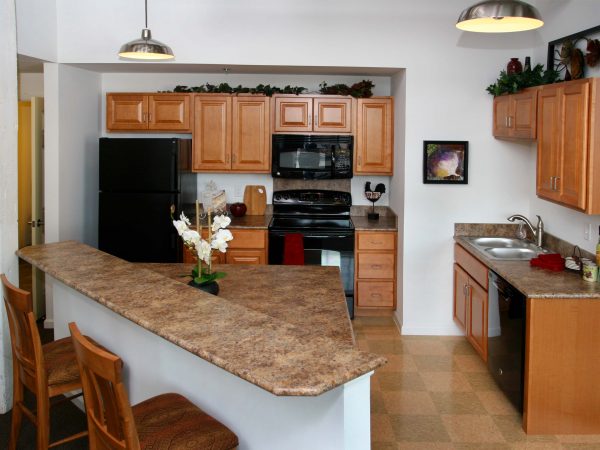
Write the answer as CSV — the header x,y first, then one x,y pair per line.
x,y
503,248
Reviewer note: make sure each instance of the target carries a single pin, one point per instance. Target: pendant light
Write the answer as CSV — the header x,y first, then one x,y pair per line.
x,y
146,47
499,16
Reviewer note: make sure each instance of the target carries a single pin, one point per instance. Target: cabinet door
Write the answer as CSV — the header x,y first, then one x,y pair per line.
x,y
169,112
523,115
374,137
251,143
332,115
549,131
212,133
501,113
477,318
244,256
572,178
293,114
126,112
461,280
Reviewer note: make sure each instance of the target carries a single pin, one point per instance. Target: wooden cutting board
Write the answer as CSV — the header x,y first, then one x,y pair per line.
x,y
255,198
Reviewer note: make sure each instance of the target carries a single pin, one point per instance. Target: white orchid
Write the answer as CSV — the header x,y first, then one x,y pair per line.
x,y
220,222
190,237
184,219
220,239
203,250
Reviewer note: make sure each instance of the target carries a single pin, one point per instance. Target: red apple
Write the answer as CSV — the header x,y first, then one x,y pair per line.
x,y
237,209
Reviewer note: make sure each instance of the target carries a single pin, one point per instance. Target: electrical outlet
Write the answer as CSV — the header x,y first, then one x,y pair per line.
x,y
587,232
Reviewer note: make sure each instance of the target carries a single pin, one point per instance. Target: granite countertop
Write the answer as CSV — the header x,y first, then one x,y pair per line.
x,y
286,333
385,223
251,222
535,282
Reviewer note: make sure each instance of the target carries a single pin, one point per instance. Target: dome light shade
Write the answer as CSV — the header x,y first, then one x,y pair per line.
x,y
499,16
146,47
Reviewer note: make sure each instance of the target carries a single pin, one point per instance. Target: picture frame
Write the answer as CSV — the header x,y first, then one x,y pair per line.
x,y
445,162
551,55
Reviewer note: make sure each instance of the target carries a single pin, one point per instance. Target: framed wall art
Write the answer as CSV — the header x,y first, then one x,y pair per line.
x,y
445,162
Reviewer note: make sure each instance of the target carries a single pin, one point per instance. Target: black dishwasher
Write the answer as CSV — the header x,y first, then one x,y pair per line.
x,y
506,338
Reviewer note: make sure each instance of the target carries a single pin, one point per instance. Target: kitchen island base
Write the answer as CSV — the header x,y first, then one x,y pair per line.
x,y
336,419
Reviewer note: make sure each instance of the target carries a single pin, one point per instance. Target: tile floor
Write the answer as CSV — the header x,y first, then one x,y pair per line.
x,y
435,394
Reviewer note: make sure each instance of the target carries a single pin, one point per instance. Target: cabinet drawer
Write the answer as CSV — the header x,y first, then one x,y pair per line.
x,y
248,239
475,269
234,256
375,293
376,265
376,241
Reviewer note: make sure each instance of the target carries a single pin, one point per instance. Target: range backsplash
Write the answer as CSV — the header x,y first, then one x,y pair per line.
x,y
281,184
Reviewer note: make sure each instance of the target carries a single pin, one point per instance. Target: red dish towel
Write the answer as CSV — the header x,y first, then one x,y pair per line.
x,y
293,249
551,261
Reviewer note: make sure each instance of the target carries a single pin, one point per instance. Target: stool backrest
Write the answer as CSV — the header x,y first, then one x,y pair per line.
x,y
110,419
28,359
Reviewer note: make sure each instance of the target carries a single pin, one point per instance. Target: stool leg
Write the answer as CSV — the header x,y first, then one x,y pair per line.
x,y
43,418
17,414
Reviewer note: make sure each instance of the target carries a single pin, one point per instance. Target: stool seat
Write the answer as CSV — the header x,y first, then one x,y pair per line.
x,y
60,362
172,421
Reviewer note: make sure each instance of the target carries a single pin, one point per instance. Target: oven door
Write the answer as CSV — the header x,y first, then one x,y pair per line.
x,y
322,249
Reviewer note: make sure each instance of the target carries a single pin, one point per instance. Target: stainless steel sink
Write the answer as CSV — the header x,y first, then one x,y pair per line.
x,y
506,248
512,253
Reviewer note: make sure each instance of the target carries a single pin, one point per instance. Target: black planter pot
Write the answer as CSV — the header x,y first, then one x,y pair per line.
x,y
211,288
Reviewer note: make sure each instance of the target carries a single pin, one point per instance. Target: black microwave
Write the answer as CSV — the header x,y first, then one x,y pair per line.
x,y
312,157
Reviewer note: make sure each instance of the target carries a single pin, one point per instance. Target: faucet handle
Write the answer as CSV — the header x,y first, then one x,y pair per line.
x,y
540,222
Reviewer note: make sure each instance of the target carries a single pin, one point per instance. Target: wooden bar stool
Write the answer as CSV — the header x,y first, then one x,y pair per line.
x,y
47,370
167,421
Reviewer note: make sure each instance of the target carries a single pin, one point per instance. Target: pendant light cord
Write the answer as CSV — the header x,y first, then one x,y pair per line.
x,y
146,11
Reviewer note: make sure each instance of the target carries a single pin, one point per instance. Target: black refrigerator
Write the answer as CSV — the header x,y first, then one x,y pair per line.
x,y
140,180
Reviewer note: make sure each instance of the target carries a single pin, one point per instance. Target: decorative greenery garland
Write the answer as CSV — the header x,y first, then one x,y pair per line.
x,y
510,84
362,89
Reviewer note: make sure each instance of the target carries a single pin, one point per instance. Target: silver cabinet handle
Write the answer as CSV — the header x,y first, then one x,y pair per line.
x,y
316,121
509,121
556,180
506,121
150,117
144,117
552,183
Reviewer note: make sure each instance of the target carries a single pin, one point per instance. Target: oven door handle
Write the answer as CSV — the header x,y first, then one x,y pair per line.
x,y
313,236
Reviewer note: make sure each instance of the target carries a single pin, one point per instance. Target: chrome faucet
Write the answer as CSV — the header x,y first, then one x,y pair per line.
x,y
538,232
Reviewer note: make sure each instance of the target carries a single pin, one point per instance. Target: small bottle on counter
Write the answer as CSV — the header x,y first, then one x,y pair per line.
x,y
598,249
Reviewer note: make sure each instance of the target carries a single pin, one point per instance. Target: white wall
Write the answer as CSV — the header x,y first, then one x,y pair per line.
x,y
562,19
72,120
30,85
8,184
37,28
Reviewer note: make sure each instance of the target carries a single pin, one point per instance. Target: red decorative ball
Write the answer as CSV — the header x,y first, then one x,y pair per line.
x,y
238,209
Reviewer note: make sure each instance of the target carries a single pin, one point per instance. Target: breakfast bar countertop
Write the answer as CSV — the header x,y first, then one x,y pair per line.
x,y
283,328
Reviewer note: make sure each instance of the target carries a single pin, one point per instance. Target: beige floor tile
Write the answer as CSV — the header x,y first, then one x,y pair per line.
x,y
445,382
425,347
472,428
580,446
377,403
579,439
419,429
381,428
409,403
470,363
435,363
400,381
459,347
425,446
496,403
511,428
457,403
399,363
383,445
537,446
481,381
386,346
481,446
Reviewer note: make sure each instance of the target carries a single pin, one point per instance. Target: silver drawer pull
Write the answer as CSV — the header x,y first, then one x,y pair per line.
x,y
376,266
375,295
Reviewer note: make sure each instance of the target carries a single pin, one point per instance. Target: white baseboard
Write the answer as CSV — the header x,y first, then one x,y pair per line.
x,y
48,324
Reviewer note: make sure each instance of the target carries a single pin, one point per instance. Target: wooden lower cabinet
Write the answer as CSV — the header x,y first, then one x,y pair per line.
x,y
470,308
375,272
247,247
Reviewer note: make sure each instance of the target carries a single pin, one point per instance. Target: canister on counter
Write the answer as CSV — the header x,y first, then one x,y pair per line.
x,y
590,271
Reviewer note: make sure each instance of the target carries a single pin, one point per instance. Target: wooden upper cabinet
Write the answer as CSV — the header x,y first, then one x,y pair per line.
x,y
374,139
126,112
251,137
515,115
143,112
304,114
231,134
169,112
332,115
568,152
212,133
293,114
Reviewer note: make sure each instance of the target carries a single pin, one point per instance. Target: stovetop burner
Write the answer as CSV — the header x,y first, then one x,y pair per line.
x,y
311,209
